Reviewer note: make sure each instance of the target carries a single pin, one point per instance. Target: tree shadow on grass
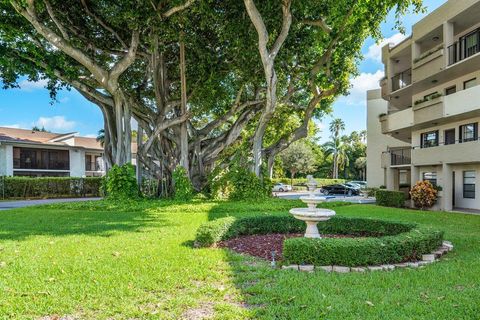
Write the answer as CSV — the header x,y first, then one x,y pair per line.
x,y
57,221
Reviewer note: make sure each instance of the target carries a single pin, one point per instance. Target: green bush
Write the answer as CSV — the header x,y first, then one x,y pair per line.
x,y
121,183
351,252
49,187
182,185
379,241
239,183
389,198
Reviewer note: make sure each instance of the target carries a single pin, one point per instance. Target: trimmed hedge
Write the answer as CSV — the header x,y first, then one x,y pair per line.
x,y
49,187
379,241
352,252
388,198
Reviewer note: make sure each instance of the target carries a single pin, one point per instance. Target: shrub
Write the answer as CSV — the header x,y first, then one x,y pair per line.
x,y
388,198
351,252
424,194
239,183
182,185
121,183
49,187
381,241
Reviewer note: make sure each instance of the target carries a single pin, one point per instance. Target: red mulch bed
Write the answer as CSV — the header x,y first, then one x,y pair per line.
x,y
262,245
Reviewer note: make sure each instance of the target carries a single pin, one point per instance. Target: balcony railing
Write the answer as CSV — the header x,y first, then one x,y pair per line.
x,y
465,47
401,156
401,80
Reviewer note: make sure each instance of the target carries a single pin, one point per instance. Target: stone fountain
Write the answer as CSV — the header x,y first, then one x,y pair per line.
x,y
312,215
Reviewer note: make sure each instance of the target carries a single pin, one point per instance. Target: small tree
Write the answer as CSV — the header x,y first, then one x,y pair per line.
x,y
298,158
423,194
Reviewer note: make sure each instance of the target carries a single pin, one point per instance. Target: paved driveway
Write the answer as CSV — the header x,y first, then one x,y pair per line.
x,y
5,205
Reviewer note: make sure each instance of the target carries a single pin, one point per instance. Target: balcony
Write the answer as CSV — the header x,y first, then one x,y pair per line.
x,y
464,48
401,157
428,64
397,121
466,152
462,102
402,80
428,110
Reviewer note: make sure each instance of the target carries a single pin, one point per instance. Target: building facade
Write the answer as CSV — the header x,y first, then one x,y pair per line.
x,y
42,154
431,101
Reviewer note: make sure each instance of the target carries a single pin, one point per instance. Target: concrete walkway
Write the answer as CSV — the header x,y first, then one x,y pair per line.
x,y
5,205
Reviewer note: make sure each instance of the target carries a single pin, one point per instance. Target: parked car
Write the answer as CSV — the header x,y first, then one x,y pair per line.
x,y
362,184
353,185
281,187
340,189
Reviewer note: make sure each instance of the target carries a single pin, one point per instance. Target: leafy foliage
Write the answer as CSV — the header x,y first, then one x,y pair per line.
x,y
389,198
298,158
121,183
424,194
183,186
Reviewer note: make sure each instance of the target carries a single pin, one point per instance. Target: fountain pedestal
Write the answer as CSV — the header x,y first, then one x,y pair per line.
x,y
312,215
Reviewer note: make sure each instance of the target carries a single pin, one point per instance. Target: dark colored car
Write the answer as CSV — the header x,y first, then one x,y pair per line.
x,y
339,189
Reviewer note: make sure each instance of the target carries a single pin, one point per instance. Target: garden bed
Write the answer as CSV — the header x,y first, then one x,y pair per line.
x,y
365,241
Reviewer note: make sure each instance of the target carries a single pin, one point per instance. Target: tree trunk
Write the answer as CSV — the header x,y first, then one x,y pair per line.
x,y
270,163
123,152
183,109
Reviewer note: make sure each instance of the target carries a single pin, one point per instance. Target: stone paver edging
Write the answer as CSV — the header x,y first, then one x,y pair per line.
x,y
426,259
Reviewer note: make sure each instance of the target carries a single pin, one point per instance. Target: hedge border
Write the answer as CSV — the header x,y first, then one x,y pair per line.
x,y
382,242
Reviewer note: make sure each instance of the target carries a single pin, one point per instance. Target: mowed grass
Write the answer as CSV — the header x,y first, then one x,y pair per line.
x,y
105,261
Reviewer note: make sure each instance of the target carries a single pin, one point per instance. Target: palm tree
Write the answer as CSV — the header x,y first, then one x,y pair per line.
x,y
336,127
339,152
101,137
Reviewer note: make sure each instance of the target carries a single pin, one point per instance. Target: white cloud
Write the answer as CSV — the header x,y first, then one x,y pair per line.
x,y
360,85
91,135
14,126
375,50
33,85
55,123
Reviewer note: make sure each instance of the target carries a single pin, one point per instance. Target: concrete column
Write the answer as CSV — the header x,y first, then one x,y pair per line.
x,y
414,175
415,50
448,38
447,187
9,160
391,178
77,163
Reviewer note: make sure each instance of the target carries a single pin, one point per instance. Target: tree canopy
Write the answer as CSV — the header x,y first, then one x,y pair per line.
x,y
198,76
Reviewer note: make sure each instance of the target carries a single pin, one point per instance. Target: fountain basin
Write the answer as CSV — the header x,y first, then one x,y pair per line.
x,y
312,201
311,218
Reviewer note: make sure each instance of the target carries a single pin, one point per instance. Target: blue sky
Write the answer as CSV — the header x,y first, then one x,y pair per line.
x,y
31,106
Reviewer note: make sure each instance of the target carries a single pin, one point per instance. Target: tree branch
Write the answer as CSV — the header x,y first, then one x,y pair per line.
x,y
55,21
179,8
127,60
318,23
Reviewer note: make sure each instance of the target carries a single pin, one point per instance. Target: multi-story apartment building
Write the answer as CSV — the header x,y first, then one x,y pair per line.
x,y
425,126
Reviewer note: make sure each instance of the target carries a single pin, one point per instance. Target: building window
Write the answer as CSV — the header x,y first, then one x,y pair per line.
x,y
430,176
450,90
470,83
429,139
449,136
469,184
469,132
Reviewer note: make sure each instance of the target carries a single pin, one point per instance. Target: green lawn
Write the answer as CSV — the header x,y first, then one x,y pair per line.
x,y
97,261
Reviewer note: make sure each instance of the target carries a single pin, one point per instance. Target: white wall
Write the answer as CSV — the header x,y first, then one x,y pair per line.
x,y
460,202
376,141
77,163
